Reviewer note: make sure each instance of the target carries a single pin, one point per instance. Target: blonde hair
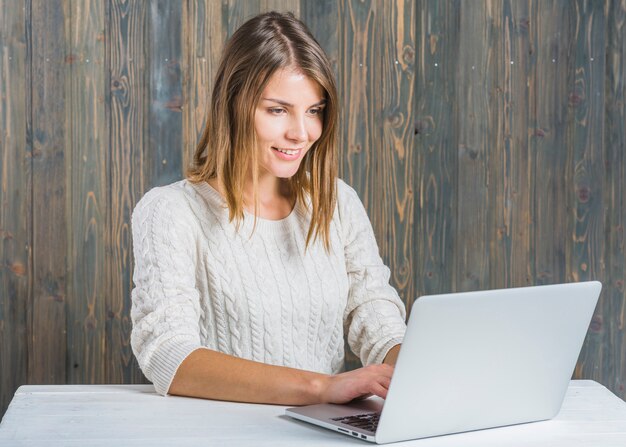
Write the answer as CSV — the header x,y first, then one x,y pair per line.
x,y
227,149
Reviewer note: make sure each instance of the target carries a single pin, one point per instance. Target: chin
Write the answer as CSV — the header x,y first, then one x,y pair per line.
x,y
285,174
283,171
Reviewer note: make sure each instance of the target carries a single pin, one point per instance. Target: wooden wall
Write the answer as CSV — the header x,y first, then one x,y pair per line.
x,y
486,139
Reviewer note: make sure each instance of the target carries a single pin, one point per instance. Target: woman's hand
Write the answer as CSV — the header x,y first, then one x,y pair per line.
x,y
360,383
213,375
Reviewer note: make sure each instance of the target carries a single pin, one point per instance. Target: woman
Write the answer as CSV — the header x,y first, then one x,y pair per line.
x,y
248,271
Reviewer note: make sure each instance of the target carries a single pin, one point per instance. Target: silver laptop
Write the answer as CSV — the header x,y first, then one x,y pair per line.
x,y
471,361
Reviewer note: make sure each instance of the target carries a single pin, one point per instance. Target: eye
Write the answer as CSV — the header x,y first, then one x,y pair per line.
x,y
276,111
316,110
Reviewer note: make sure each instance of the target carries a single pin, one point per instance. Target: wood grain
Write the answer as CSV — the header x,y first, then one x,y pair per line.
x,y
204,35
16,199
323,19
614,304
479,114
510,182
281,6
585,257
355,85
239,12
436,145
87,195
163,156
550,103
47,342
392,202
127,120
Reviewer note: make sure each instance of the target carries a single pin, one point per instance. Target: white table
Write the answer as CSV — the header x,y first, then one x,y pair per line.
x,y
134,415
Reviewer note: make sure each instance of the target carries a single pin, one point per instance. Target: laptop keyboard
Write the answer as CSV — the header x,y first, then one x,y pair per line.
x,y
366,421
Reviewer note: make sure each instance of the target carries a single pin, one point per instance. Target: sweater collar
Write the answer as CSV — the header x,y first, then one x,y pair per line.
x,y
218,204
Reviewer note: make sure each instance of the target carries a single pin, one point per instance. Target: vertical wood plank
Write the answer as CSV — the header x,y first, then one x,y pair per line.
x,y
239,12
15,198
436,144
479,126
614,376
322,19
586,223
87,287
356,85
281,5
47,325
585,138
510,168
203,40
392,201
127,65
164,152
549,92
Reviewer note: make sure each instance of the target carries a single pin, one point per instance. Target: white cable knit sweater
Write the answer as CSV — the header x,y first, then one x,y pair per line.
x,y
199,283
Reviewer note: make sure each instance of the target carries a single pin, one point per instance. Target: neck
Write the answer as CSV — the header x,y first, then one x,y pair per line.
x,y
269,190
276,199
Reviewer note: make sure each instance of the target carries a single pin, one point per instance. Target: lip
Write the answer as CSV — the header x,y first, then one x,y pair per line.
x,y
287,157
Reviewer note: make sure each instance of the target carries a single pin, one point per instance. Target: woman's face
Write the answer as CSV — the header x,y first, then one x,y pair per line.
x,y
288,120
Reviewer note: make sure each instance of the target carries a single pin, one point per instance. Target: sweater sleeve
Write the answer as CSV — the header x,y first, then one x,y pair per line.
x,y
165,309
375,315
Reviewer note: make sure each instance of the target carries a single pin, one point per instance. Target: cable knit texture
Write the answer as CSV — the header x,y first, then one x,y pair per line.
x,y
200,283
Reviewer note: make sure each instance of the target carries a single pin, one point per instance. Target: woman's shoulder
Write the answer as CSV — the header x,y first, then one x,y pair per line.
x,y
350,210
347,197
178,198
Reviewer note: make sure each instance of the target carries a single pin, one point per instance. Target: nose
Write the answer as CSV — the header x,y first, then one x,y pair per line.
x,y
297,129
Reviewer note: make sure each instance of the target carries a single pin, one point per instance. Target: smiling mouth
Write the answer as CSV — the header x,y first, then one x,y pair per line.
x,y
287,151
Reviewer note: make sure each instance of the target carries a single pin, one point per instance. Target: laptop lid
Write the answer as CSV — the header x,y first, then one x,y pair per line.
x,y
482,359
485,359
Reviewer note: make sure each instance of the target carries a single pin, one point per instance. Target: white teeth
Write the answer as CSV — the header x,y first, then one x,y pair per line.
x,y
285,151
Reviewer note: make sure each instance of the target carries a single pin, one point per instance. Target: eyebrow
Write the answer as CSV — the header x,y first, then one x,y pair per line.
x,y
286,104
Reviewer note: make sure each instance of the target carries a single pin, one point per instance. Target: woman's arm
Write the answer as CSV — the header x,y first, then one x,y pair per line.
x,y
212,375
392,356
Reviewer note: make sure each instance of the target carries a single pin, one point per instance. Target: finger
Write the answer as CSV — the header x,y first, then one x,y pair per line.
x,y
384,378
379,390
385,382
